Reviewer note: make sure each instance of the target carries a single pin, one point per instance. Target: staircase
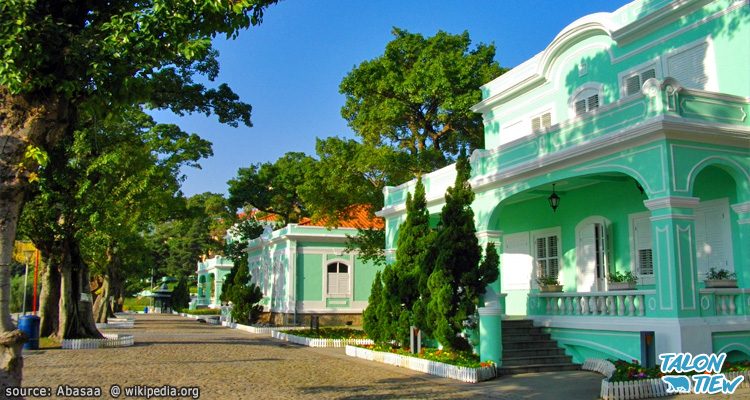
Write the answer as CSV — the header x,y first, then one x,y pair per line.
x,y
527,349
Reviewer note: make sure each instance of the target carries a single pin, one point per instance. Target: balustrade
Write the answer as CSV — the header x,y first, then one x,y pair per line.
x,y
629,303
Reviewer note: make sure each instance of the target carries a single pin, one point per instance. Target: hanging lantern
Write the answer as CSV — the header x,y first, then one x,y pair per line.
x,y
554,199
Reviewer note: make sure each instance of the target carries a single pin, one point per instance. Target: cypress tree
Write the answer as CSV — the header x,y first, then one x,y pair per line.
x,y
370,321
457,279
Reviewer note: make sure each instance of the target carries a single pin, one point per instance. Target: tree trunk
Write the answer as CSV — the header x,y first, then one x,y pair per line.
x,y
32,119
102,304
49,300
11,339
76,311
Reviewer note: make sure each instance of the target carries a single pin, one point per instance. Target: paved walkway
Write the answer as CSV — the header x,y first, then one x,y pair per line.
x,y
230,364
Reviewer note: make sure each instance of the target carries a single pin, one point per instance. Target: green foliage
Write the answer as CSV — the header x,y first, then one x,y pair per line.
x,y
616,276
16,293
390,316
273,188
418,95
136,303
458,278
240,234
244,296
719,274
181,294
453,357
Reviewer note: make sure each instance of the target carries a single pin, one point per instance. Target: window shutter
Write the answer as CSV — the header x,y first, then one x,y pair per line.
x,y
593,102
581,107
688,67
642,241
546,120
536,124
646,261
632,85
647,74
541,251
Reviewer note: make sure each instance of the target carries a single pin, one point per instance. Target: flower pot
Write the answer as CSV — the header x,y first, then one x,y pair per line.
x,y
721,283
621,286
550,288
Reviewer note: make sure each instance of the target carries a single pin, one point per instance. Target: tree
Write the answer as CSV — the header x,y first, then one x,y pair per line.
x,y
240,234
371,322
62,59
458,278
273,188
417,95
394,311
120,176
181,294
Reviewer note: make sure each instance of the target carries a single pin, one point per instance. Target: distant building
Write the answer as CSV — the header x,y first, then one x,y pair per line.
x,y
211,275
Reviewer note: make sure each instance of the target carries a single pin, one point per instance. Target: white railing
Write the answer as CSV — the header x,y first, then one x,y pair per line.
x,y
622,303
602,366
726,301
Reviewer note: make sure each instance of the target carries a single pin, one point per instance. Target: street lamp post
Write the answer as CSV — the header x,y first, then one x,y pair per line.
x,y
27,257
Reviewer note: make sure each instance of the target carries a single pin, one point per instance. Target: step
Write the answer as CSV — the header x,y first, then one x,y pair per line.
x,y
542,351
536,360
526,337
521,330
529,344
530,368
518,323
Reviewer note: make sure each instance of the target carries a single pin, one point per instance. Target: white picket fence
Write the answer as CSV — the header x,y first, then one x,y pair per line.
x,y
464,374
265,330
318,342
110,340
638,389
604,367
210,319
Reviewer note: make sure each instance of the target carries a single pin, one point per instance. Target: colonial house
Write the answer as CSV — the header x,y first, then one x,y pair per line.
x,y
623,146
211,275
303,270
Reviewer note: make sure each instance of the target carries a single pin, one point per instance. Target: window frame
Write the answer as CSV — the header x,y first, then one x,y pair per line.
x,y
546,233
585,92
635,268
349,273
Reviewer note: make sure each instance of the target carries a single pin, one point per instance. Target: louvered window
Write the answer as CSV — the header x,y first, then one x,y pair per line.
x,y
587,104
338,279
644,261
634,83
689,67
542,121
547,255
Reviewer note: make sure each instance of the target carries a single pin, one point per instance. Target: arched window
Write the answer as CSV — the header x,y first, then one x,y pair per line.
x,y
338,279
586,99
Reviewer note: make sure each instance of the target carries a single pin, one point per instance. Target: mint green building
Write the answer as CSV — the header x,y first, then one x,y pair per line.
x,y
303,271
638,121
211,275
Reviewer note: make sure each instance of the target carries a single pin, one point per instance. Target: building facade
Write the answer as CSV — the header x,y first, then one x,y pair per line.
x,y
211,275
638,121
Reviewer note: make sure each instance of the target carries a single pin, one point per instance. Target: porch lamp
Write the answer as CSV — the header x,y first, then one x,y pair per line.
x,y
554,199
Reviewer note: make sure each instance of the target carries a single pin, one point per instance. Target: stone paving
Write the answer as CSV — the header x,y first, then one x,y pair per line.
x,y
230,364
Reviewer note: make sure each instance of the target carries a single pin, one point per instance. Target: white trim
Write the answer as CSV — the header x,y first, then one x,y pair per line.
x,y
595,345
660,267
655,20
340,252
489,234
642,279
673,216
741,208
671,202
691,250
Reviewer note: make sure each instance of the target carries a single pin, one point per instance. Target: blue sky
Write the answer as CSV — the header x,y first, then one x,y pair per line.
x,y
289,68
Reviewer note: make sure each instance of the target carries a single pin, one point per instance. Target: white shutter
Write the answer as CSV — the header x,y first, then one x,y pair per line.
x,y
343,281
586,259
632,85
642,242
546,120
713,240
517,271
689,67
513,131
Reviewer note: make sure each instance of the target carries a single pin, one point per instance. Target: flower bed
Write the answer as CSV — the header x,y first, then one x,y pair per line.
x,y
631,381
464,374
110,340
318,342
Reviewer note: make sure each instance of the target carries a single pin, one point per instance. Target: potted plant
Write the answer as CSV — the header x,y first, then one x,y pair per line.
x,y
720,278
622,281
549,284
